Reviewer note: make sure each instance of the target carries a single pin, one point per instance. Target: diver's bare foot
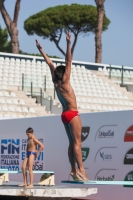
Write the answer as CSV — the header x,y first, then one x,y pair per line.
x,y
30,186
75,176
82,175
23,184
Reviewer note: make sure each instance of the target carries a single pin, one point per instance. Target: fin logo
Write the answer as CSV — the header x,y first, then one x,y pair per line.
x,y
10,146
129,177
129,135
128,160
85,133
85,153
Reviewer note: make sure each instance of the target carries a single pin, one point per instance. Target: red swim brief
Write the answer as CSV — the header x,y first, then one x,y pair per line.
x,y
68,115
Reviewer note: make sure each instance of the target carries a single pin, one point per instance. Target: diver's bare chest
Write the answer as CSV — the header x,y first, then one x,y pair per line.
x,y
30,143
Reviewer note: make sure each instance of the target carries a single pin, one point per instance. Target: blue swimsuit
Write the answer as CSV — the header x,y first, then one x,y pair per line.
x,y
30,152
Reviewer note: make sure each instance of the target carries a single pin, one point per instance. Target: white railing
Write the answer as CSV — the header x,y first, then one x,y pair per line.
x,y
35,58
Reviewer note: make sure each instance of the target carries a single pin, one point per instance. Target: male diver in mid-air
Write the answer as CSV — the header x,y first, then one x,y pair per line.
x,y
70,115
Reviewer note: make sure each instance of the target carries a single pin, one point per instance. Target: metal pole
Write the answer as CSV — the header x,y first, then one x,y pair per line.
x,y
45,83
31,89
50,103
41,96
122,75
22,82
54,92
110,72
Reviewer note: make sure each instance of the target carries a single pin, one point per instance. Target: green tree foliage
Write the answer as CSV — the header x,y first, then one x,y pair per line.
x,y
32,54
52,22
5,45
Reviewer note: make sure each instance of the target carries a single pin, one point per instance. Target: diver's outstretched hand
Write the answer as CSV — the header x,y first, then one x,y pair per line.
x,y
38,45
68,37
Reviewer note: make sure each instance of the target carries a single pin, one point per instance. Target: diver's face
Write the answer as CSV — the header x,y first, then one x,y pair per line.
x,y
29,135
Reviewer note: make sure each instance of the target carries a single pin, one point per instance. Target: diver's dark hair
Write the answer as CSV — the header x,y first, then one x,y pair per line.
x,y
29,130
59,72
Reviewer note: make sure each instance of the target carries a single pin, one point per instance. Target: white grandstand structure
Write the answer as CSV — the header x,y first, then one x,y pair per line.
x,y
98,87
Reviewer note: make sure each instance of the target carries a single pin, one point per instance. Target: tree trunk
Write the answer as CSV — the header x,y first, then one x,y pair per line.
x,y
11,24
60,49
14,39
98,31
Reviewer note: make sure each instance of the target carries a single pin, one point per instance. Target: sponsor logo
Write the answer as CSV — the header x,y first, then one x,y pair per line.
x,y
10,146
105,157
129,177
13,152
10,149
128,160
129,135
85,153
106,131
38,166
105,175
104,178
85,133
106,134
105,154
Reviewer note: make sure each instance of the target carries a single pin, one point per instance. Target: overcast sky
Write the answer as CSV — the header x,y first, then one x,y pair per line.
x,y
117,40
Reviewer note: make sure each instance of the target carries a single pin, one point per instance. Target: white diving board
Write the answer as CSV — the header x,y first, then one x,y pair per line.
x,y
46,179
40,172
99,182
18,172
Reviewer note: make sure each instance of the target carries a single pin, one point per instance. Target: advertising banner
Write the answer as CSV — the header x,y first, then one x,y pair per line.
x,y
107,149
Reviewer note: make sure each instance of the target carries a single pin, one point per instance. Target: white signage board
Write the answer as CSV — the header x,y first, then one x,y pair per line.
x,y
107,149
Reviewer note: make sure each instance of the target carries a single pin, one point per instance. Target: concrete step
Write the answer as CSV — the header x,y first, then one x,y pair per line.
x,y
117,86
27,100
17,113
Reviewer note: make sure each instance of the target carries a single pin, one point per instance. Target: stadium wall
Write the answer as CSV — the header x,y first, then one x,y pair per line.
x,y
107,149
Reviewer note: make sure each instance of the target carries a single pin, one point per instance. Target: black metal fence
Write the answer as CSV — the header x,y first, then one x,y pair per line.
x,y
122,75
37,92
